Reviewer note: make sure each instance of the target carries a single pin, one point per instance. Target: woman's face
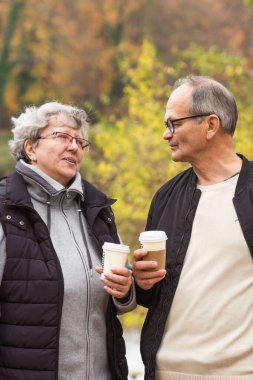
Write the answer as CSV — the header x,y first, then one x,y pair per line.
x,y
58,158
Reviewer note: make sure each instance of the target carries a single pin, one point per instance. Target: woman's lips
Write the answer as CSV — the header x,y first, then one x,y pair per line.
x,y
70,160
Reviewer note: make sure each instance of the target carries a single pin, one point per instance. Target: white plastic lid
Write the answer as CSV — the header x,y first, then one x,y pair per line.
x,y
116,247
152,236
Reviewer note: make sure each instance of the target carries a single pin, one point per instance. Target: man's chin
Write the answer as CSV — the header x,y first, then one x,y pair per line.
x,y
177,158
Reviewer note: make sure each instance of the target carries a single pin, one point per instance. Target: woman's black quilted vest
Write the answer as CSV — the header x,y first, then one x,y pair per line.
x,y
31,292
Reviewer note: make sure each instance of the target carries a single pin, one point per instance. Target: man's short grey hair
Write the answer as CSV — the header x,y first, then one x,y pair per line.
x,y
30,123
210,96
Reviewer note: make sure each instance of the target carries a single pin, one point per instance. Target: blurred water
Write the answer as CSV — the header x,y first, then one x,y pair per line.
x,y
135,365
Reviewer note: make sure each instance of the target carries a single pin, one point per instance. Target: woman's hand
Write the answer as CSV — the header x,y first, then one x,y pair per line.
x,y
117,283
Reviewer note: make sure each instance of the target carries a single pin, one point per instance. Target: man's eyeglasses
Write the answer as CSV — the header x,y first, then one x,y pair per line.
x,y
170,123
65,138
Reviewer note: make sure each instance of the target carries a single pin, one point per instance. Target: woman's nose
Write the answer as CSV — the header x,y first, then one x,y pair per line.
x,y
73,144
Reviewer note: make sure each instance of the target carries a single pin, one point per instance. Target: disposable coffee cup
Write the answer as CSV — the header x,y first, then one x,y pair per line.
x,y
155,243
114,256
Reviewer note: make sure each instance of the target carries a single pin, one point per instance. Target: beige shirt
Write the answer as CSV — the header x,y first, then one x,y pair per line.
x,y
209,331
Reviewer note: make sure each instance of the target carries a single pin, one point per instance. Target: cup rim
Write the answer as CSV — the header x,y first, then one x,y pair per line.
x,y
152,236
116,247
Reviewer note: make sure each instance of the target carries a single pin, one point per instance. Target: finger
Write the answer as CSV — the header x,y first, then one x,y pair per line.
x,y
125,272
122,279
146,275
115,281
116,288
147,284
116,293
99,270
139,254
145,265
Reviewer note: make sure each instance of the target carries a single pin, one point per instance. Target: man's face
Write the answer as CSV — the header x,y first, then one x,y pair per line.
x,y
188,140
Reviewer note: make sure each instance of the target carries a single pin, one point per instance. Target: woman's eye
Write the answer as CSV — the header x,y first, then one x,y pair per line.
x,y
62,136
79,143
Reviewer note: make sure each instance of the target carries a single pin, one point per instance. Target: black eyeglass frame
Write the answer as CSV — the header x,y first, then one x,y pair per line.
x,y
85,143
170,123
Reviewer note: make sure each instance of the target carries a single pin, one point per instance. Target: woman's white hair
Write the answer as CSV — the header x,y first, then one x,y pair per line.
x,y
30,123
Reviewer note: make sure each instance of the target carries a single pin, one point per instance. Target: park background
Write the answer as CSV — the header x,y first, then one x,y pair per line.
x,y
117,59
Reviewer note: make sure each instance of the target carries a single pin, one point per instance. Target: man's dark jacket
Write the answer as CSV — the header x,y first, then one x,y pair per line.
x,y
172,210
31,293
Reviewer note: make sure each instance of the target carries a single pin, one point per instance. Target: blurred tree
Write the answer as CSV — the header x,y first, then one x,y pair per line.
x,y
133,161
249,2
6,64
27,52
71,51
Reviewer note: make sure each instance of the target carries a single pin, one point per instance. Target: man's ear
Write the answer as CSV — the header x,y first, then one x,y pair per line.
x,y
213,126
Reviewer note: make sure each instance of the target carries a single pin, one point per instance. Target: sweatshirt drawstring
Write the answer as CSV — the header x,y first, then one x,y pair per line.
x,y
84,237
48,213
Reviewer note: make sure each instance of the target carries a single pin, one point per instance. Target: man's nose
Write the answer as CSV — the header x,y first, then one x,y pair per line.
x,y
167,134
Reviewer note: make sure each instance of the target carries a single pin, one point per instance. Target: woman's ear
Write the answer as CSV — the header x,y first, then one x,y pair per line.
x,y
29,150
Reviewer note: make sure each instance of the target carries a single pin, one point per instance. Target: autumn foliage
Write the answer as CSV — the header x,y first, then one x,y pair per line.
x,y
118,59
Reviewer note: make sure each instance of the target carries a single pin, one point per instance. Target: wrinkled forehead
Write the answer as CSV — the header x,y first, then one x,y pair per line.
x,y
178,102
62,119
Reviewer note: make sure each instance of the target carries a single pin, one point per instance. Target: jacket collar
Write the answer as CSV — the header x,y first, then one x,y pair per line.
x,y
16,191
94,201
246,174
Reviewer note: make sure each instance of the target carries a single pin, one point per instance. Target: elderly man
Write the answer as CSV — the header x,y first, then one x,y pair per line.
x,y
200,319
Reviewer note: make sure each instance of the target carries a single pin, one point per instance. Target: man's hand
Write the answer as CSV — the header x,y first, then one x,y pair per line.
x,y
145,272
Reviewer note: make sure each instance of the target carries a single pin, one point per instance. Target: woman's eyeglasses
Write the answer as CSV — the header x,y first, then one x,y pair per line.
x,y
65,138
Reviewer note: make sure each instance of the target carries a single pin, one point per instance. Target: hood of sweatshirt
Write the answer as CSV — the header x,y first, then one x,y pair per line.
x,y
35,176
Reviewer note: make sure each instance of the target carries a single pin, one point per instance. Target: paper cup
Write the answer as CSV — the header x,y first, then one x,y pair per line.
x,y
114,256
155,243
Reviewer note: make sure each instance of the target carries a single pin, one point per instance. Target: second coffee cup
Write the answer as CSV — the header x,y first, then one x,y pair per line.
x,y
155,243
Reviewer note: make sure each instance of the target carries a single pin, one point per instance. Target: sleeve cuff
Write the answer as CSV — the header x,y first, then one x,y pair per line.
x,y
129,305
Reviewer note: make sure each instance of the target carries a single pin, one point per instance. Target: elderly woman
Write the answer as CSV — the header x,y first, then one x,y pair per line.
x,y
58,321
